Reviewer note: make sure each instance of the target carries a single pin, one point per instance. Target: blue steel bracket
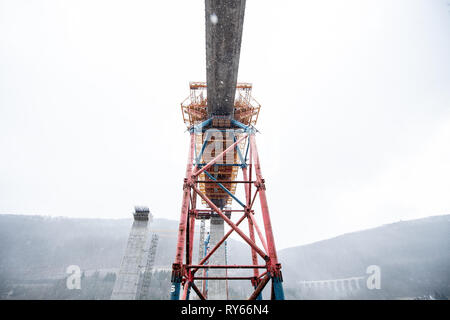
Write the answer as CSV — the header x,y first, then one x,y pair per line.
x,y
241,158
246,151
221,164
176,282
277,283
249,129
175,290
224,189
198,158
199,127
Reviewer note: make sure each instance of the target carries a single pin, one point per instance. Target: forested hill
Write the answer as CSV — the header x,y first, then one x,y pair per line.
x,y
413,256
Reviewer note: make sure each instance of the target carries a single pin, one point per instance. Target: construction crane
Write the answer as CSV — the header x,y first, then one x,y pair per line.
x,y
220,115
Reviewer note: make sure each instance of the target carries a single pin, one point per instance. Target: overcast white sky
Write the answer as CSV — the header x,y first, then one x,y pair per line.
x,y
355,119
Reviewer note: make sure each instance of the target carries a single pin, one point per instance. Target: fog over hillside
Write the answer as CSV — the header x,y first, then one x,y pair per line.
x,y
413,258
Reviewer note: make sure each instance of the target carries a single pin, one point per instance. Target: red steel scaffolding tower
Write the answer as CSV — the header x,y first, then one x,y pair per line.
x,y
231,145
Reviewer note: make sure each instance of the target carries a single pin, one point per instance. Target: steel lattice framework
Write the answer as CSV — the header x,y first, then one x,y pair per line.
x,y
215,186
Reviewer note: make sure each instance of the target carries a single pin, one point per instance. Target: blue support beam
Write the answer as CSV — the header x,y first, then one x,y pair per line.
x,y
246,151
200,126
175,290
277,284
243,162
224,189
198,158
243,126
221,164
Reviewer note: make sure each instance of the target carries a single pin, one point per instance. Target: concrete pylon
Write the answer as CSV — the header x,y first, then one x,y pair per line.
x,y
217,289
224,21
127,281
201,255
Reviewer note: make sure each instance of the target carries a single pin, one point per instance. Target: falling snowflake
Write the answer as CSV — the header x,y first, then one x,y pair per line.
x,y
213,18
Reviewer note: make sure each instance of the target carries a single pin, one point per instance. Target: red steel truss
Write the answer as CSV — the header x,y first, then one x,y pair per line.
x,y
184,271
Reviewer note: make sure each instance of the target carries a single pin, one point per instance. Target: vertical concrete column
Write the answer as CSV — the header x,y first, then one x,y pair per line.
x,y
217,289
224,21
126,285
201,254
